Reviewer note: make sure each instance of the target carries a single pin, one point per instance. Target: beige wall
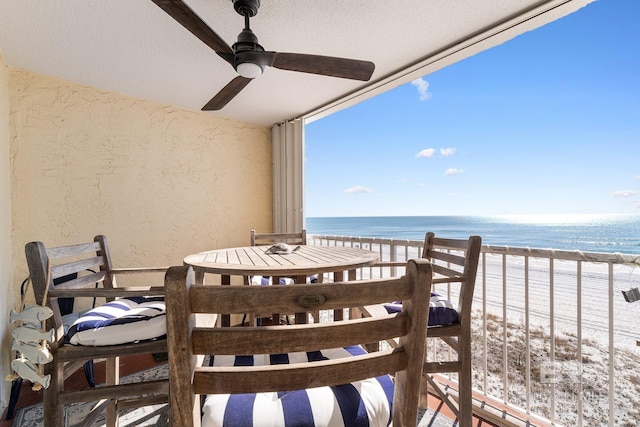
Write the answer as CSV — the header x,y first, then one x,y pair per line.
x,y
158,181
6,280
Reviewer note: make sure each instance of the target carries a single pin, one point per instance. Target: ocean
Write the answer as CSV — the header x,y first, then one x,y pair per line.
x,y
588,233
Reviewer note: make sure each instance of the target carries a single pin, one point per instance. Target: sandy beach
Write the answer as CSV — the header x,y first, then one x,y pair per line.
x,y
564,304
588,377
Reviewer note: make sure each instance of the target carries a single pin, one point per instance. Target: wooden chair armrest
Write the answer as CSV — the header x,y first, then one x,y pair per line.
x,y
139,270
375,310
108,293
437,280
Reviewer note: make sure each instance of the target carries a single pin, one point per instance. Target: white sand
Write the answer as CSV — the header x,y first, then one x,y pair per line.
x,y
593,384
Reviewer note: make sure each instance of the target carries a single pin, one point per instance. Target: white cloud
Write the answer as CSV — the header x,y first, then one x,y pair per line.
x,y
453,194
358,189
624,193
446,152
423,88
453,171
427,152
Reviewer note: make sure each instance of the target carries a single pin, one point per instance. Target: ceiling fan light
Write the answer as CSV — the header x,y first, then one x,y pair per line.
x,y
249,70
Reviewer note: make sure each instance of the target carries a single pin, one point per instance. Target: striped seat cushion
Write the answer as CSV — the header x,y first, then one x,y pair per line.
x,y
362,403
268,280
121,321
441,310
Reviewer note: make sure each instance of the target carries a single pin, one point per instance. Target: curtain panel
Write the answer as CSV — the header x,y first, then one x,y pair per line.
x,y
288,176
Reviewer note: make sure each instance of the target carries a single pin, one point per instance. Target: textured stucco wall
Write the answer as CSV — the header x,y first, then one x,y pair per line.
x,y
158,181
6,287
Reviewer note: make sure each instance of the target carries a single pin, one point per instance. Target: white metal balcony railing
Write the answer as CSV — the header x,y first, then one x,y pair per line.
x,y
554,338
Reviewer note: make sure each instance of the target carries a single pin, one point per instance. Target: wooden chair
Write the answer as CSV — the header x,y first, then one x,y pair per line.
x,y
262,239
78,270
293,240
227,385
454,262
269,239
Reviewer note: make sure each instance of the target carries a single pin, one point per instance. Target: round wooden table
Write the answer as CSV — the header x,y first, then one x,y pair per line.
x,y
254,261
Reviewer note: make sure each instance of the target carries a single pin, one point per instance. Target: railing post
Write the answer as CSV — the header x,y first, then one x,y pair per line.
x,y
579,338
612,351
552,340
393,256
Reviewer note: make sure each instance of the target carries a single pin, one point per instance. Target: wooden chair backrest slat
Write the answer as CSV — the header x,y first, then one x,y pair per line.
x,y
448,257
231,341
447,273
250,299
445,243
79,266
90,280
262,239
73,250
109,293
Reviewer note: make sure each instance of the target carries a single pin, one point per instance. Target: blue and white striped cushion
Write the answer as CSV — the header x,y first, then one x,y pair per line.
x,y
121,321
441,310
268,280
362,403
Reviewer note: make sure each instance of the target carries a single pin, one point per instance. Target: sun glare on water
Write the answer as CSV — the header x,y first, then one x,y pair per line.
x,y
549,219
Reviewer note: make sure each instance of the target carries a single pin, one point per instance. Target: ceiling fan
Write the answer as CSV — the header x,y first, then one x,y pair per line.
x,y
249,59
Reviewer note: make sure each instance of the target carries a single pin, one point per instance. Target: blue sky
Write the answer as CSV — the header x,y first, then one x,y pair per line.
x,y
547,123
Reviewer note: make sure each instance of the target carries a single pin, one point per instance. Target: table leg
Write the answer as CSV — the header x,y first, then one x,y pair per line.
x,y
301,318
275,317
225,280
199,277
338,314
352,276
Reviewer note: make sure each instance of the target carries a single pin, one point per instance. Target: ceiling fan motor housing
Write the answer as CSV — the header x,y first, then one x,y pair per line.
x,y
246,50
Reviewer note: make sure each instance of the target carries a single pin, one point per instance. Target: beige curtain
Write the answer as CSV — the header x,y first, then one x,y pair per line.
x,y
288,176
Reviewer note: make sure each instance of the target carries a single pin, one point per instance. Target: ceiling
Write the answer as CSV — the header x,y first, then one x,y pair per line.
x,y
133,47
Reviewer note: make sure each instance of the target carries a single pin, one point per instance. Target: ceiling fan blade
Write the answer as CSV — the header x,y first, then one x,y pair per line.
x,y
325,65
182,13
227,93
